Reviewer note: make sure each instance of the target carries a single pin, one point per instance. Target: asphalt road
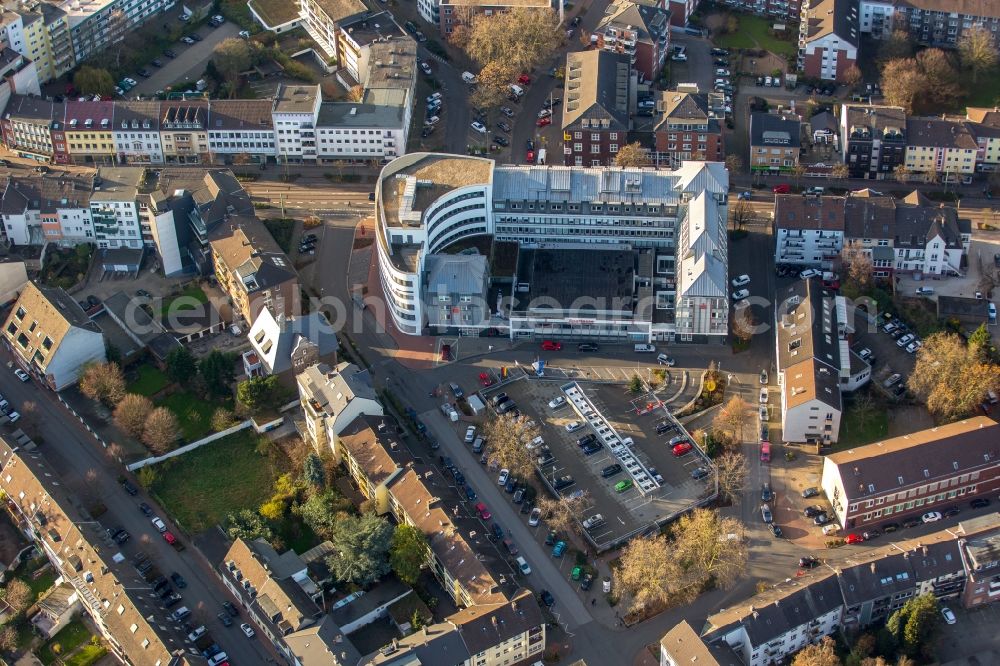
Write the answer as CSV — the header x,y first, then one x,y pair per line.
x,y
189,63
545,574
84,468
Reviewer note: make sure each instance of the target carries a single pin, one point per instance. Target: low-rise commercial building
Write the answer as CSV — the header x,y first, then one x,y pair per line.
x,y
241,130
27,126
906,476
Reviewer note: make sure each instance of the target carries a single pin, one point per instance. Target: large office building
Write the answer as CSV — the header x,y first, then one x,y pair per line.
x,y
611,235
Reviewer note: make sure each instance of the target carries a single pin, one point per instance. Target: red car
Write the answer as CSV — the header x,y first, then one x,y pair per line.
x,y
855,538
551,345
530,157
445,352
483,512
485,379
169,538
682,448
542,122
782,189
524,79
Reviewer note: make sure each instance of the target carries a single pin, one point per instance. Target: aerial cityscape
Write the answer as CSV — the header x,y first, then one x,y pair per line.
x,y
500,332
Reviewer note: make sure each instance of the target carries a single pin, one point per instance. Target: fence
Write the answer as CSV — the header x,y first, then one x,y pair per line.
x,y
188,447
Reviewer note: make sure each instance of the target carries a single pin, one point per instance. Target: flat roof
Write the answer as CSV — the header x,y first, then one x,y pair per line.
x,y
598,280
436,175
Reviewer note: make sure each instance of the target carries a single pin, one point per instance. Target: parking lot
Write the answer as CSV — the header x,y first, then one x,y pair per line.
x,y
626,508
189,63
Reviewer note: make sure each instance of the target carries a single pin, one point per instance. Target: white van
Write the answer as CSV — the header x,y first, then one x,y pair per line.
x,y
517,90
540,159
645,349
469,77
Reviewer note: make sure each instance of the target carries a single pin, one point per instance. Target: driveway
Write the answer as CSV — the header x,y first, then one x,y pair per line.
x,y
189,63
82,466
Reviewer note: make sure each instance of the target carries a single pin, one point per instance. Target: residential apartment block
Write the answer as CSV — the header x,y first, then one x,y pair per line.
x,y
332,397
688,129
828,38
984,123
96,24
296,126
790,11
598,94
38,31
639,31
26,124
47,208
595,222
906,476
682,646
51,337
75,545
254,271
872,140
816,365
981,556
281,344
114,210
929,22
322,19
18,75
909,235
780,621
774,142
941,148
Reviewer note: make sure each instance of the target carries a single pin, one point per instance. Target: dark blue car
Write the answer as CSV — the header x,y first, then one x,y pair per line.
x,y
470,494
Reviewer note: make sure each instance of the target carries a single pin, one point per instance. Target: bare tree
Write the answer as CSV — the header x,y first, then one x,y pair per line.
x,y
903,82
941,74
840,171
744,322
797,172
521,38
161,430
509,437
897,45
231,57
644,575
632,155
852,76
8,639
356,93
18,595
734,163
131,413
977,51
901,174
562,514
858,267
742,213
951,377
733,470
710,547
823,653
104,382
733,417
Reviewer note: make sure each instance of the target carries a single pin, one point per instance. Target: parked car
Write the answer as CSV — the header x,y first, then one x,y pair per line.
x,y
808,562
535,518
931,517
573,426
783,188
741,281
892,380
980,503
611,470
741,294
810,492
551,345
766,494
765,512
948,616
681,449
559,549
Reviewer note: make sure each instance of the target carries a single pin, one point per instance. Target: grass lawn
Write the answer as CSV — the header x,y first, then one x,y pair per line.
x,y
855,433
69,638
193,413
755,32
42,583
984,92
86,655
149,382
186,300
201,487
